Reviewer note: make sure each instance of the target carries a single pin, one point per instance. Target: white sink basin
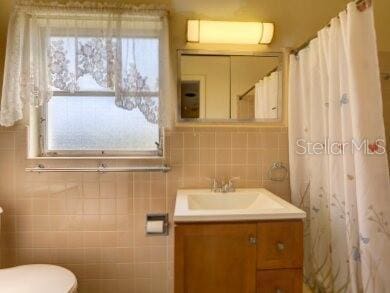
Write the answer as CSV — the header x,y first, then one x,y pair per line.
x,y
227,201
244,204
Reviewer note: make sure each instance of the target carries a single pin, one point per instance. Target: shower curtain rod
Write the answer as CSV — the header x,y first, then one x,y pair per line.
x,y
240,97
358,3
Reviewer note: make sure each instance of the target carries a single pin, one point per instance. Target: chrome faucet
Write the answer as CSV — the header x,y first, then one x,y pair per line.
x,y
215,186
229,185
223,187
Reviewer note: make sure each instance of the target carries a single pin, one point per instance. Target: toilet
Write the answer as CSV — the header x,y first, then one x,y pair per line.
x,y
37,278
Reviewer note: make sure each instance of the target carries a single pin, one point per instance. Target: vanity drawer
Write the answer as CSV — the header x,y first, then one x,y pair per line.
x,y
280,244
280,281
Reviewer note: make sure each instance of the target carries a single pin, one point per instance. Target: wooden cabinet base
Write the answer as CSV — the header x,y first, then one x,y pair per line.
x,y
239,257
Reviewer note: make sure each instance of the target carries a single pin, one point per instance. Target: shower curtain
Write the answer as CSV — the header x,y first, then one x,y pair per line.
x,y
266,97
339,172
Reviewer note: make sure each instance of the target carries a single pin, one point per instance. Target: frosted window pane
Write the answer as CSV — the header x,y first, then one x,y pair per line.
x,y
96,123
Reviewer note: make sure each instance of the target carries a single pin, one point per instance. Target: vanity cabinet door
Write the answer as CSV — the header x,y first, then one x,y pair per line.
x,y
280,244
279,281
212,258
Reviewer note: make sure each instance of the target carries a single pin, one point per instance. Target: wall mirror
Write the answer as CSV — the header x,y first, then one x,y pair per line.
x,y
229,87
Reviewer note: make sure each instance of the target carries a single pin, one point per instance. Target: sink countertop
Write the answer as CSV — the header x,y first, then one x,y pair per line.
x,y
249,204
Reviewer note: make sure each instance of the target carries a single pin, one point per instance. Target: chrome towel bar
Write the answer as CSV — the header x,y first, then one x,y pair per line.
x,y
101,169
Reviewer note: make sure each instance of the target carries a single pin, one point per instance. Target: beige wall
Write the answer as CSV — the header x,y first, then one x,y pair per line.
x,y
94,223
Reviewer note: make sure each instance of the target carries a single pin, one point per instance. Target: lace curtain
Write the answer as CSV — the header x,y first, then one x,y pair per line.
x,y
88,47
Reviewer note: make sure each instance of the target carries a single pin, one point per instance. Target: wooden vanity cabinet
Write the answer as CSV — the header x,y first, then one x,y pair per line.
x,y
212,258
239,257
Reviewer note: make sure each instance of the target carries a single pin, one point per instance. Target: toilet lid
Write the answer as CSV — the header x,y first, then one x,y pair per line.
x,y
37,279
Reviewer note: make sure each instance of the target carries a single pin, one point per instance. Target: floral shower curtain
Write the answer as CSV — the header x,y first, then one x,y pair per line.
x,y
72,47
339,172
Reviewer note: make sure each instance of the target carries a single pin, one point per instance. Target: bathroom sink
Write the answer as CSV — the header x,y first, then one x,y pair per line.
x,y
226,201
193,205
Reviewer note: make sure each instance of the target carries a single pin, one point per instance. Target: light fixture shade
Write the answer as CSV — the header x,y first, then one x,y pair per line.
x,y
229,32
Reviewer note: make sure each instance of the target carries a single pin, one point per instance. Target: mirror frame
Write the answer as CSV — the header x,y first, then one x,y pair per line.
x,y
281,67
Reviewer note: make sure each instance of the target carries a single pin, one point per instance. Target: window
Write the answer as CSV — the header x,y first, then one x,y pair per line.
x,y
105,97
96,77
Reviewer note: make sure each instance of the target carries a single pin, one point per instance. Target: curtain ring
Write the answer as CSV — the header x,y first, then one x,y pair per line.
x,y
362,5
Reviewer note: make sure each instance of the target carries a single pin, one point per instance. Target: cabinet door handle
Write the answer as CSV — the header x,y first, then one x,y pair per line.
x,y
252,240
280,247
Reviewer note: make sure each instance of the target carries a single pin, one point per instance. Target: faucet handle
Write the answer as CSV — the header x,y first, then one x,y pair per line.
x,y
230,184
214,184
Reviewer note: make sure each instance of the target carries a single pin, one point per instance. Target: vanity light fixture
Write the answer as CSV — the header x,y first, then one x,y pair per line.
x,y
229,32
